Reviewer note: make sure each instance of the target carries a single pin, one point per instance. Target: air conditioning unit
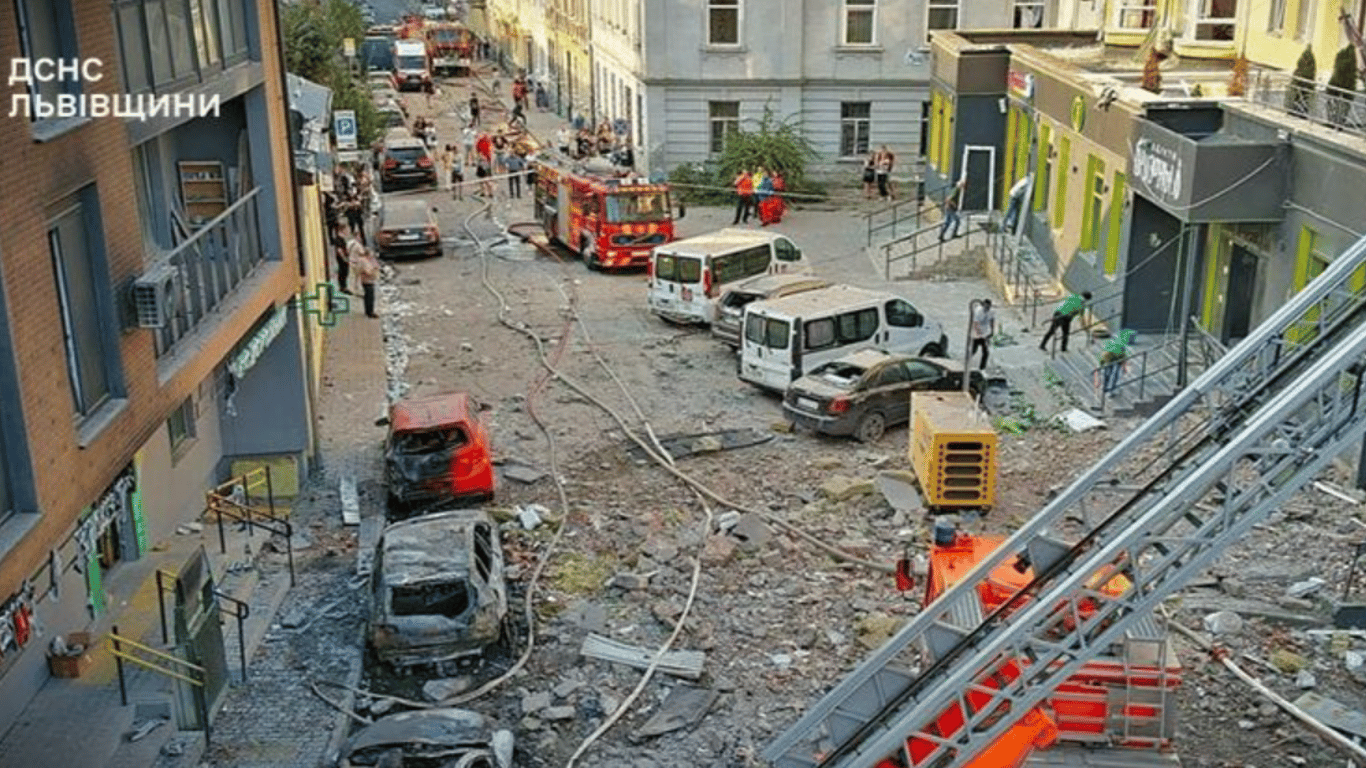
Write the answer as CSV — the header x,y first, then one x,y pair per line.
x,y
156,296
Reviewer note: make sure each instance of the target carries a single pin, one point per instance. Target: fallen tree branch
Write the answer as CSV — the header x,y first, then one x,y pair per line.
x,y
1336,739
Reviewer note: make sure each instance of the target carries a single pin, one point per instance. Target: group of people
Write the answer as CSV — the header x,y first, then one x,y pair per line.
x,y
346,235
877,173
610,140
759,193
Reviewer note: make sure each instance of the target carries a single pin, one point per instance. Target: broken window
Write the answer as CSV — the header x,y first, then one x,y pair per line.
x,y
483,552
429,441
446,598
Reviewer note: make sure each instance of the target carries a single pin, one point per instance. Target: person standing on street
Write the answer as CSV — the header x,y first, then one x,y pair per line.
x,y
474,109
885,161
869,175
339,253
983,329
744,191
515,167
563,137
951,211
367,267
1070,308
1016,202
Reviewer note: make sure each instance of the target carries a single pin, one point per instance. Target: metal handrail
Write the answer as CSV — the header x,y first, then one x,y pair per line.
x,y
938,245
919,201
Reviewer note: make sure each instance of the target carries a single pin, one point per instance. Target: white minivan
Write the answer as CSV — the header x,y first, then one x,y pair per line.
x,y
412,69
687,277
784,338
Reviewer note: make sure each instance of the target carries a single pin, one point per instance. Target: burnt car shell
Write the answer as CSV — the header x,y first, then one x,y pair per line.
x,y
845,396
439,736
730,310
437,451
439,591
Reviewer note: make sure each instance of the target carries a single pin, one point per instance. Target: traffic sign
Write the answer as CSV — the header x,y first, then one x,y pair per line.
x,y
344,128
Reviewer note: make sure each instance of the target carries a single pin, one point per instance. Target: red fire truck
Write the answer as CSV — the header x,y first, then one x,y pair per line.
x,y
611,221
451,46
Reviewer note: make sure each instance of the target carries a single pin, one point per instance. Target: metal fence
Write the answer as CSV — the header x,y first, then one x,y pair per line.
x,y
1306,99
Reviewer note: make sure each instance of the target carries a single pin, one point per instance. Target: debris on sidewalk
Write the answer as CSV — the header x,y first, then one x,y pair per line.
x,y
683,446
686,664
899,489
1080,421
147,726
522,473
350,501
683,707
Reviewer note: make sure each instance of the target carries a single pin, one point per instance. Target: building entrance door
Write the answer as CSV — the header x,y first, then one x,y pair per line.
x,y
1242,281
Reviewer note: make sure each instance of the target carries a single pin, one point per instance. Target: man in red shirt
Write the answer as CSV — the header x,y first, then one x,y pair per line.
x,y
483,146
744,189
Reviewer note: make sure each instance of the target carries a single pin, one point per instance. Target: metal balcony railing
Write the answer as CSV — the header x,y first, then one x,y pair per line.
x,y
1306,99
211,263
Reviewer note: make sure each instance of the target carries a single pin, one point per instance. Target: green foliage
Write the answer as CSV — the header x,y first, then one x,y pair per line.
x,y
773,143
1342,85
1299,95
1152,73
313,32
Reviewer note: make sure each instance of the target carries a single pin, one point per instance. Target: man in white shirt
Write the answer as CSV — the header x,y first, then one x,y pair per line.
x,y
983,328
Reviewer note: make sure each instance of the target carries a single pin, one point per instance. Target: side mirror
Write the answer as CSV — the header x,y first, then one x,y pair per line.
x,y
682,209
382,421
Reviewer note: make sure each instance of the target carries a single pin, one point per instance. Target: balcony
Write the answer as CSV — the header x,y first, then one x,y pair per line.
x,y
1309,100
212,263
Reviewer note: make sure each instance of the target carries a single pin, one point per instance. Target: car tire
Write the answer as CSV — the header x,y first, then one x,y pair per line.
x,y
931,350
870,427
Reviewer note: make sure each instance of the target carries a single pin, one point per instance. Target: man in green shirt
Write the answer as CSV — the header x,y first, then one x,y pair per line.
x,y
1112,360
1062,318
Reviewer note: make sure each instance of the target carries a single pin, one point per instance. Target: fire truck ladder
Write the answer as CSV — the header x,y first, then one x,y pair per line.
x,y
1227,450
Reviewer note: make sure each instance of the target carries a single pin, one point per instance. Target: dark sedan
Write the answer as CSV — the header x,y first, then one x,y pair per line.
x,y
407,228
863,393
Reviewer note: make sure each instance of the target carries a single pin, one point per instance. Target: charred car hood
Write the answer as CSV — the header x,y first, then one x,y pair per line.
x,y
439,727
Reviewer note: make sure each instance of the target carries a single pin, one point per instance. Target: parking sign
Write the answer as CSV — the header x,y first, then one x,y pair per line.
x,y
344,128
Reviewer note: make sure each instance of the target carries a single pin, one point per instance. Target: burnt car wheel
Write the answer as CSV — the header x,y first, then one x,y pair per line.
x,y
870,427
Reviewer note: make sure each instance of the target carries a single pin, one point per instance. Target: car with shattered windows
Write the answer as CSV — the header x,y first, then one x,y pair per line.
x,y
442,737
439,591
436,453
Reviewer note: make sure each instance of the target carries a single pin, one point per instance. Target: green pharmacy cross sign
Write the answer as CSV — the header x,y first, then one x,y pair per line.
x,y
325,303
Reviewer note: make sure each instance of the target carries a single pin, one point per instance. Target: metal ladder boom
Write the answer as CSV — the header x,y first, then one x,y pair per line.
x,y
1272,358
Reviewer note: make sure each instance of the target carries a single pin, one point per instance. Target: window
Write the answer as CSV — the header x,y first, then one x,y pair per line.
x,y
169,41
1304,20
786,250
1064,168
860,19
1043,170
83,292
844,328
732,267
47,31
766,332
1094,203
919,370
725,120
1136,14
900,314
1216,19
1029,14
854,127
890,375
180,425
820,333
723,22
1112,235
1275,23
677,270
942,14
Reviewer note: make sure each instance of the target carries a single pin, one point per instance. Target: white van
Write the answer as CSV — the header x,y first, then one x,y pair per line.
x,y
687,277
412,69
784,338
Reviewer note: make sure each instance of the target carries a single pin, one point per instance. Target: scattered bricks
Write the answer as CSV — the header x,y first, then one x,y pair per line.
x,y
718,551
752,532
558,713
841,487
631,581
535,702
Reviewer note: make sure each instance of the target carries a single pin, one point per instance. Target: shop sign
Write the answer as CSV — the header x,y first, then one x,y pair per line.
x,y
1020,84
260,342
1158,168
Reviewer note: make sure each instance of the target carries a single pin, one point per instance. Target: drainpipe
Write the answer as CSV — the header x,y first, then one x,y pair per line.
x,y
310,397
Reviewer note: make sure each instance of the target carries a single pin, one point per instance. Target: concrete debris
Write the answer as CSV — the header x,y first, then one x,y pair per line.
x,y
1332,713
1080,421
350,501
752,532
1350,616
552,714
146,727
586,615
465,346
843,488
503,744
1302,589
686,664
443,688
826,463
875,629
718,550
190,528
682,446
781,660
565,688
683,707
382,706
522,473
608,703
898,487
1305,680
1246,725
535,702
1224,623
530,515
173,749
727,520
632,581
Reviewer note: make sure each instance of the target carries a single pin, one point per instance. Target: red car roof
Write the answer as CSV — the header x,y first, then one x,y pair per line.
x,y
427,412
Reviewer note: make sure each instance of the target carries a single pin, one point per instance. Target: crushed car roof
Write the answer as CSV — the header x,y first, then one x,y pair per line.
x,y
440,726
430,546
431,411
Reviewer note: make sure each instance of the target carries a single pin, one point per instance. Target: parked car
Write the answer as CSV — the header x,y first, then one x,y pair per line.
x,y
437,452
730,311
405,162
863,393
439,591
442,735
407,227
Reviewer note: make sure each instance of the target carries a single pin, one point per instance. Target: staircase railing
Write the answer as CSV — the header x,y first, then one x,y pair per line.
x,y
125,649
891,217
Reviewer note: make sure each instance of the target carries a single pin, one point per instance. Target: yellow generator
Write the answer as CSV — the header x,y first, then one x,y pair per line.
x,y
953,451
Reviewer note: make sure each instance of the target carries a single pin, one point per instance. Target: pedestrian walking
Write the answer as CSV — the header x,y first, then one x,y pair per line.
x,y
515,167
542,98
885,162
744,193
482,171
1061,323
367,267
983,329
467,138
1016,202
869,175
474,109
1113,361
339,248
518,117
951,211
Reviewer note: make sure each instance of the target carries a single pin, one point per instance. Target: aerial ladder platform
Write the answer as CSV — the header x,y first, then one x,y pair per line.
x,y
1157,510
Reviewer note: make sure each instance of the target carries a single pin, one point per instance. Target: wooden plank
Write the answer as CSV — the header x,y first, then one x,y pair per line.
x,y
685,664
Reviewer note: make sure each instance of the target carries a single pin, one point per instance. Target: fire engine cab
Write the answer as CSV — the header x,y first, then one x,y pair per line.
x,y
451,46
611,221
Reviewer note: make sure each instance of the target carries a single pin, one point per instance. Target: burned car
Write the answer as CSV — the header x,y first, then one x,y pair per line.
x,y
730,311
863,393
439,592
437,452
442,737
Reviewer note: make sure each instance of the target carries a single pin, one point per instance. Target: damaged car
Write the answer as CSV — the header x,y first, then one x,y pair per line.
x,y
437,452
442,737
863,393
439,591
